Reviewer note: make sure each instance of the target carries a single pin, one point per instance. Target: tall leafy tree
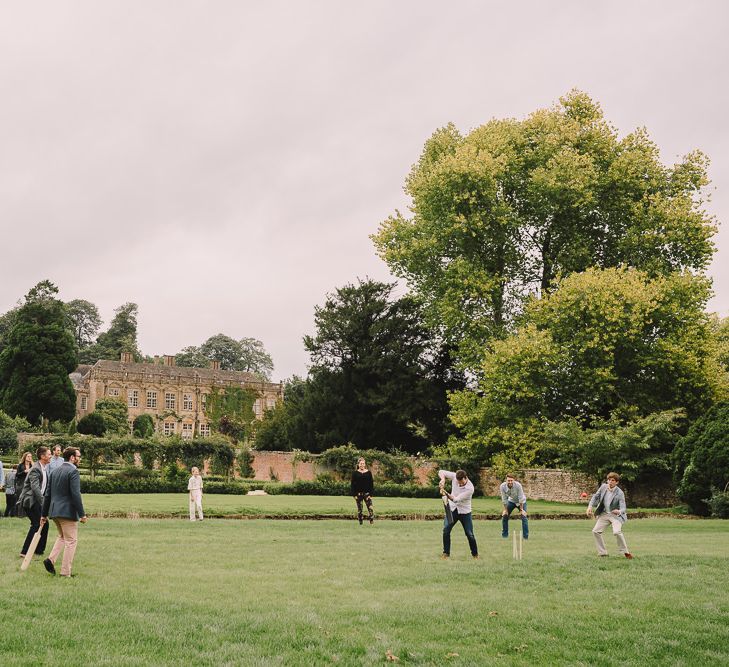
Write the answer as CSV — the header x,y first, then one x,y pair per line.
x,y
38,356
498,214
121,336
254,357
84,321
246,354
370,379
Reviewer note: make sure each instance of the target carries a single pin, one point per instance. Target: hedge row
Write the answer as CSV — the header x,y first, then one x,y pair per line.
x,y
301,487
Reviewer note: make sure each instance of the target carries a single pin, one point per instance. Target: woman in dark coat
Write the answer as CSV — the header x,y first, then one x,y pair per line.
x,y
362,489
24,465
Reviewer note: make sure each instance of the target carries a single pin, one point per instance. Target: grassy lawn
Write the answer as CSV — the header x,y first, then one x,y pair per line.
x,y
175,504
168,592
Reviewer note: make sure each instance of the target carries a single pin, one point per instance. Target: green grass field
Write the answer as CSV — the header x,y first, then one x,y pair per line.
x,y
169,592
175,504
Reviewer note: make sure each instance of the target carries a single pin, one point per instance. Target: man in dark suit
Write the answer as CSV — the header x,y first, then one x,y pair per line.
x,y
30,502
62,502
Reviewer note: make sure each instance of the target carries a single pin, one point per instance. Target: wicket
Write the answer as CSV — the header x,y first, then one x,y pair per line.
x,y
517,545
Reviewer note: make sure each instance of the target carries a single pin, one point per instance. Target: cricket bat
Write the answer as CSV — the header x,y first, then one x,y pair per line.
x,y
448,513
31,550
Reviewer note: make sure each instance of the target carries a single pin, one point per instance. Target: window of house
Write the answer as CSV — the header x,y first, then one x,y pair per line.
x,y
204,399
169,428
187,430
169,401
130,424
151,399
270,403
187,401
204,430
133,398
257,407
84,402
112,391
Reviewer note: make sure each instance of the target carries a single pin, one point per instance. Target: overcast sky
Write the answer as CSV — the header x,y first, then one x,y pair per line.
x,y
222,164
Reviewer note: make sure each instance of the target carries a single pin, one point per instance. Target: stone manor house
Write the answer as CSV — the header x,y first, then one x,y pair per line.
x,y
174,396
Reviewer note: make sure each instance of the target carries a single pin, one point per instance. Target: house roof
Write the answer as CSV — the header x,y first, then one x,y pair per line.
x,y
181,371
77,377
163,371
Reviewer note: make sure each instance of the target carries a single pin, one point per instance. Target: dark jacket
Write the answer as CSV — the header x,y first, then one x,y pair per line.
x,y
362,482
31,494
63,494
20,475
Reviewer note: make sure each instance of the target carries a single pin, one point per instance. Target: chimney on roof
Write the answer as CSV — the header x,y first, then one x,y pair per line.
x,y
169,359
126,358
215,364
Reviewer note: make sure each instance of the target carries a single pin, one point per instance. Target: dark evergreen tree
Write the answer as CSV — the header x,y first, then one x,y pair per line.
x,y
702,459
38,356
375,380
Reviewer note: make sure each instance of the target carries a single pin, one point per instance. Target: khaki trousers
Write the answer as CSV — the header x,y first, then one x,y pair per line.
x,y
67,537
604,520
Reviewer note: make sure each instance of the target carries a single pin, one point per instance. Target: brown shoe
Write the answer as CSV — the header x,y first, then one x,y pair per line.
x,y
629,555
444,556
476,557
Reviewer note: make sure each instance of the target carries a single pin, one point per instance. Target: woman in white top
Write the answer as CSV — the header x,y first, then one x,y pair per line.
x,y
194,486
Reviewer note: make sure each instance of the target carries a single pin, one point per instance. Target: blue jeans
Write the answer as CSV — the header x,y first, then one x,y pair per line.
x,y
467,523
510,506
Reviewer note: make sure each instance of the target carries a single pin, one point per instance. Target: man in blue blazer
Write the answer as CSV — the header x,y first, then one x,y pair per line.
x,y
608,504
62,502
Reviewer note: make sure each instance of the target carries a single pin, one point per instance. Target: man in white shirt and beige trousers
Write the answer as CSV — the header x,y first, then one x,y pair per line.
x,y
608,504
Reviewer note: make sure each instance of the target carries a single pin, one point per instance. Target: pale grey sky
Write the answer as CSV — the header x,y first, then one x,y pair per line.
x,y
222,164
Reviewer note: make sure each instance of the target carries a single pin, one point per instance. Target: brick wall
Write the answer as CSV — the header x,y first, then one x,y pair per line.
x,y
557,485
281,466
539,484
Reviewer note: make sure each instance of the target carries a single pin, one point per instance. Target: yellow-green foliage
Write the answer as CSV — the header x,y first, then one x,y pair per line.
x,y
500,213
604,340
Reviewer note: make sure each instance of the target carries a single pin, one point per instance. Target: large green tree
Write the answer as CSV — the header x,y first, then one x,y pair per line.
x,y
498,214
121,336
604,342
38,356
375,379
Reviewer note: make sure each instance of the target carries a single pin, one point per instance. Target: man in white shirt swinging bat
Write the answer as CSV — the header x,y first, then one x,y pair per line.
x,y
459,501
